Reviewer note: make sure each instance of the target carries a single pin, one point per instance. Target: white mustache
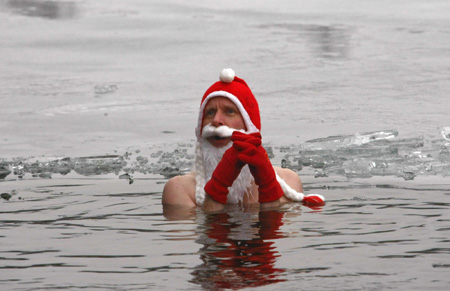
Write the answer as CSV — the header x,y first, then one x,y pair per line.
x,y
221,131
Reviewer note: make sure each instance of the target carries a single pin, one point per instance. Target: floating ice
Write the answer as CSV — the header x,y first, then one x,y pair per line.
x,y
367,137
354,156
445,132
4,172
127,177
356,139
6,196
370,154
105,89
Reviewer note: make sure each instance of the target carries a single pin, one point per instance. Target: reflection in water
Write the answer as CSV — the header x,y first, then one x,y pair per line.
x,y
44,9
329,41
238,250
326,41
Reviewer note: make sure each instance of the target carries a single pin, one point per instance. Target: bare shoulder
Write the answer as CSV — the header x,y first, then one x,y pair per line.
x,y
180,190
291,178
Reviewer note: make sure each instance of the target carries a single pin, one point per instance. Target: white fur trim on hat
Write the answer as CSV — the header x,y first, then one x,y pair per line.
x,y
292,194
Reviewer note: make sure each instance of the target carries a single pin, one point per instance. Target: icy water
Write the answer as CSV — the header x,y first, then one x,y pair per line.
x,y
99,102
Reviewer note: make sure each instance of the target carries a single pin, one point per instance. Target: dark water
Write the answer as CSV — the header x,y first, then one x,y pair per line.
x,y
97,223
98,108
101,233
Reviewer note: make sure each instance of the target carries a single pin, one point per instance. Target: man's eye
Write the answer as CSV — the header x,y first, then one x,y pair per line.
x,y
231,111
210,113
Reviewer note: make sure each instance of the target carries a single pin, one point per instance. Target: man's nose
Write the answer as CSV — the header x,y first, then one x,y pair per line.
x,y
218,119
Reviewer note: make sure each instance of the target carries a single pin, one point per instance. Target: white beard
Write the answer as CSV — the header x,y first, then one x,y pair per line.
x,y
206,160
207,157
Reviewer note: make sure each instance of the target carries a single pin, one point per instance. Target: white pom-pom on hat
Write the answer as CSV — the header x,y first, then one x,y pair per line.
x,y
227,75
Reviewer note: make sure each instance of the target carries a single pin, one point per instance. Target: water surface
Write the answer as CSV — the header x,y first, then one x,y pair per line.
x,y
99,104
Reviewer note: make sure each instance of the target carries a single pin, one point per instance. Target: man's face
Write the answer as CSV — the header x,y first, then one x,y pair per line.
x,y
222,111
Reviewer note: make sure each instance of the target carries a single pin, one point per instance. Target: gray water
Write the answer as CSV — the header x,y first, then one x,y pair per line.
x,y
99,102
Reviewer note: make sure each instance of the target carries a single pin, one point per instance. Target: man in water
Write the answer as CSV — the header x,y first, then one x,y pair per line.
x,y
231,166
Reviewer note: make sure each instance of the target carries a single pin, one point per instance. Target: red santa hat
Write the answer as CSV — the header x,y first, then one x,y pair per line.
x,y
239,93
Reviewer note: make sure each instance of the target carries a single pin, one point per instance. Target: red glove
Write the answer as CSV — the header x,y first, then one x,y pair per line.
x,y
224,175
252,153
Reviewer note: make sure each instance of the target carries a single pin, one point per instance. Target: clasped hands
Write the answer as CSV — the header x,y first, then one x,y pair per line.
x,y
246,149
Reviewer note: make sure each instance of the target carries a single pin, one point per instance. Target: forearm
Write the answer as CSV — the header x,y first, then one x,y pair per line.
x,y
211,205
